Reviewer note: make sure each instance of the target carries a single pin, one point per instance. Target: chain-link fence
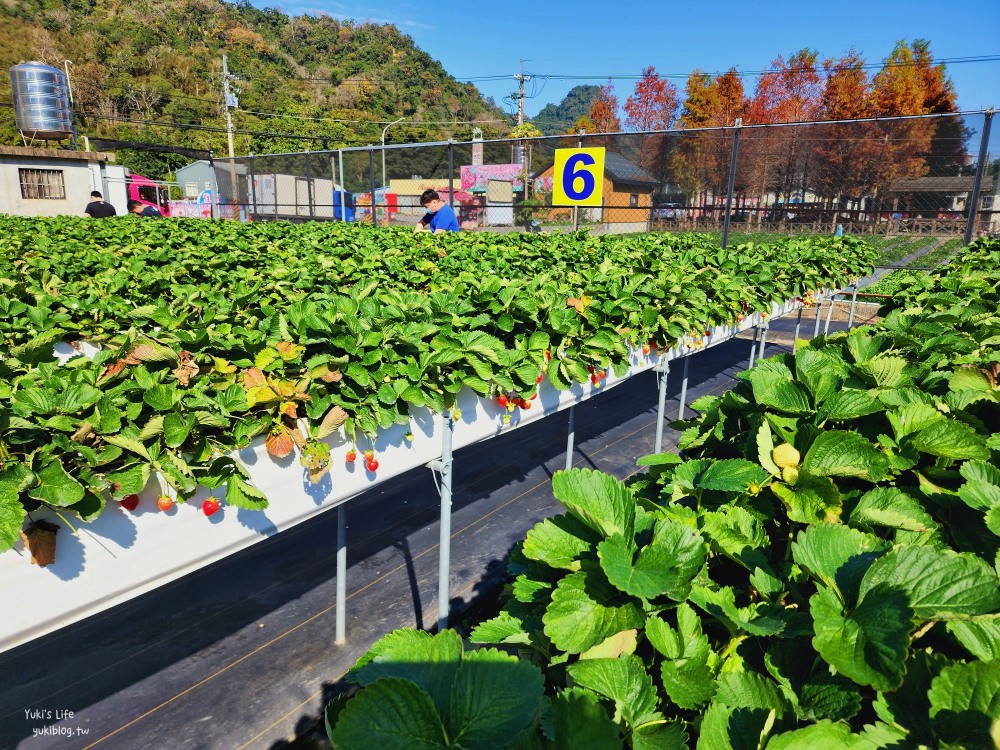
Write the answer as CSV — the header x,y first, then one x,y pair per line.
x,y
911,183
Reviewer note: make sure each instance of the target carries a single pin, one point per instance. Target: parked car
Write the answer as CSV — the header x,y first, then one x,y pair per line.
x,y
668,212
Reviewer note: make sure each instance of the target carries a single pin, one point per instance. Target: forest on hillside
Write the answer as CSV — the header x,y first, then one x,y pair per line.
x,y
151,71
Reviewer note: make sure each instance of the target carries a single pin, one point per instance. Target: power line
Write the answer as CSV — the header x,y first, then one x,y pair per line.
x,y
819,69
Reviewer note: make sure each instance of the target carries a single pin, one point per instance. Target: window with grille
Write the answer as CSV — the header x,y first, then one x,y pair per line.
x,y
46,184
633,200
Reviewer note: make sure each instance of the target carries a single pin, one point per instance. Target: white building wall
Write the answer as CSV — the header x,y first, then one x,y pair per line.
x,y
76,178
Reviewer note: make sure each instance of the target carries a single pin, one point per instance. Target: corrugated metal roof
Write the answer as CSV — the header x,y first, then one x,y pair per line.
x,y
620,170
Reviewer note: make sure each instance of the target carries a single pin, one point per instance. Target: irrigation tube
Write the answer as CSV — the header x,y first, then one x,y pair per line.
x,y
663,370
570,437
341,616
444,563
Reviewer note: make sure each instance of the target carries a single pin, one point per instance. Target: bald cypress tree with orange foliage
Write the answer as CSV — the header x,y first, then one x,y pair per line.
x,y
653,106
845,153
773,159
700,162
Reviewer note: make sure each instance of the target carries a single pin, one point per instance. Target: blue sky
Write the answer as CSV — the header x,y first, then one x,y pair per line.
x,y
477,40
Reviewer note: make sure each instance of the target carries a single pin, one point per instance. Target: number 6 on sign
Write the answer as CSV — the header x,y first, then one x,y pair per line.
x,y
578,177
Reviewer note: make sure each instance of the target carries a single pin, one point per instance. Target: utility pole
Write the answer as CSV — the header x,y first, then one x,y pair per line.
x,y
519,95
231,103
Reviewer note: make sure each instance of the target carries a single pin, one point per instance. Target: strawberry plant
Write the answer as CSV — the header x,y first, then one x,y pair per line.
x,y
212,335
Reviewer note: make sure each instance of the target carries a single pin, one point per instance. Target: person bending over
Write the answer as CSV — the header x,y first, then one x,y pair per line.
x,y
439,217
140,209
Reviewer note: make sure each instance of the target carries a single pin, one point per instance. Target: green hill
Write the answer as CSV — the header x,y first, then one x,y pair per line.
x,y
152,72
555,119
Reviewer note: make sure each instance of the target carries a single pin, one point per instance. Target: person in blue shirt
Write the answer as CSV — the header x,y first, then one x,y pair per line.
x,y
439,217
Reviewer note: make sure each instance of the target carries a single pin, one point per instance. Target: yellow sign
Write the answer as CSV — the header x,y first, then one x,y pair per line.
x,y
578,177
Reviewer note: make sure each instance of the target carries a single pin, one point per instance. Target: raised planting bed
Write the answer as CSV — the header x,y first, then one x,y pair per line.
x,y
241,364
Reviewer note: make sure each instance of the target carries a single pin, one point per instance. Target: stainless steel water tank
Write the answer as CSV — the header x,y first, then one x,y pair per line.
x,y
41,101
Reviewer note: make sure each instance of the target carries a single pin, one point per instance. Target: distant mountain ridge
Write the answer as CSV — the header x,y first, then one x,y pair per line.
x,y
554,119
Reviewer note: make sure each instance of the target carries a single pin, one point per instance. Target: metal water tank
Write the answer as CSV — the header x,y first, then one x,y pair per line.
x,y
41,101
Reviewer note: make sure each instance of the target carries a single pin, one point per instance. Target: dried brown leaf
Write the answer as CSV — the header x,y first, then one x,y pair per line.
x,y
279,444
40,539
253,377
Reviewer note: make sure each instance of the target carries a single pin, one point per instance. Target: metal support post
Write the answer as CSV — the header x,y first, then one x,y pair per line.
x,y
798,325
684,387
753,348
977,185
444,562
854,302
829,316
341,617
662,371
763,338
819,312
732,181
570,437
309,186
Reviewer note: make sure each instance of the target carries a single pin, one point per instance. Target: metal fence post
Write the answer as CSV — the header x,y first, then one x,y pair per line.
x,y
211,167
973,206
451,174
732,180
576,209
309,186
343,199
253,189
371,180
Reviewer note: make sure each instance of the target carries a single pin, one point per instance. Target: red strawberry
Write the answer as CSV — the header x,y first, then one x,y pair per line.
x,y
369,455
164,503
594,379
372,465
502,400
539,378
130,502
602,374
646,349
210,506
352,456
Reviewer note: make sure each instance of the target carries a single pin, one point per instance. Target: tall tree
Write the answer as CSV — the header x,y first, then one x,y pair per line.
x,y
946,154
700,162
604,110
774,159
653,106
843,153
899,91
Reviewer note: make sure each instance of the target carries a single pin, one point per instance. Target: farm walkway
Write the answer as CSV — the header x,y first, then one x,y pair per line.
x,y
241,654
